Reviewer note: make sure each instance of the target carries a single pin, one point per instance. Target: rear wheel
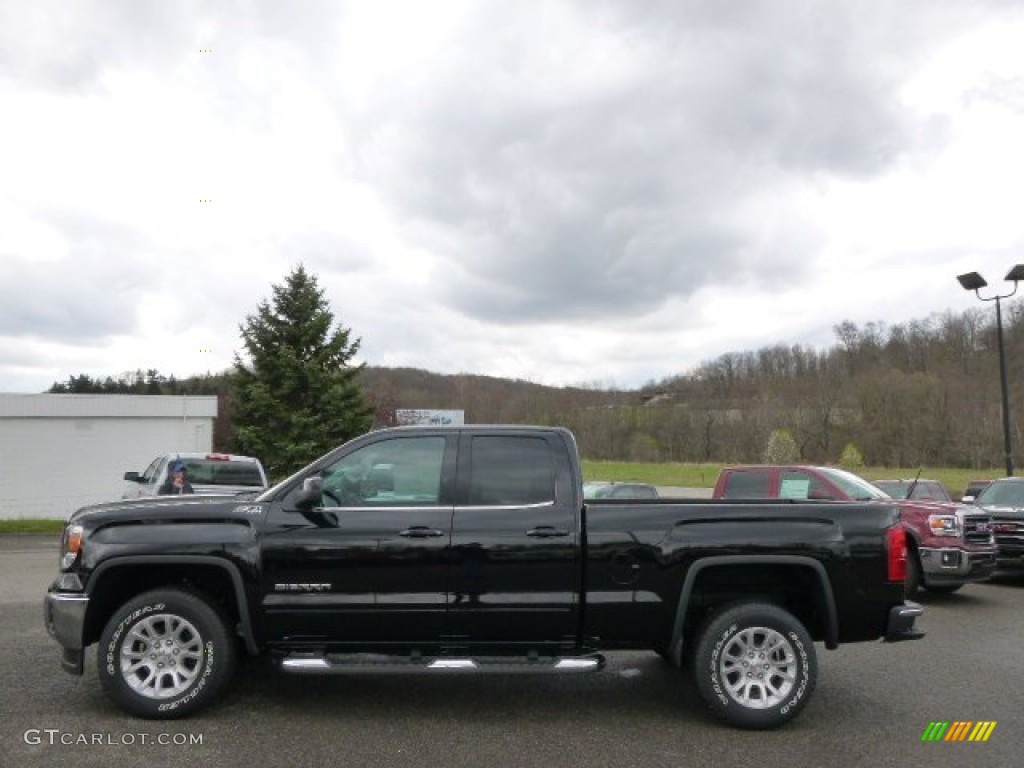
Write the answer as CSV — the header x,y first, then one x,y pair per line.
x,y
755,665
165,654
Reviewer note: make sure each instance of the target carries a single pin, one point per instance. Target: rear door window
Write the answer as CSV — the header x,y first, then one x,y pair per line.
x,y
511,470
743,484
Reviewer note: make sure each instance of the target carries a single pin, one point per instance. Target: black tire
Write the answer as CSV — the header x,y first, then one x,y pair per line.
x,y
165,654
755,665
913,581
942,589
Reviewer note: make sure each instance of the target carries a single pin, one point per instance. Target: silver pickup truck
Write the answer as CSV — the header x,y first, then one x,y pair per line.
x,y
207,473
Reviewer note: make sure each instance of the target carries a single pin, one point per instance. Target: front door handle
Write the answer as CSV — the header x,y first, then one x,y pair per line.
x,y
420,532
546,532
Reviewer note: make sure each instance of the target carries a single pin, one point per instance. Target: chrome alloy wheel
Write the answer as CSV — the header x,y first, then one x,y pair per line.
x,y
162,656
758,667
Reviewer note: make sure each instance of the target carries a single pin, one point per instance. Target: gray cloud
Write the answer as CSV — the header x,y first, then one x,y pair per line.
x,y
563,162
617,196
90,294
67,46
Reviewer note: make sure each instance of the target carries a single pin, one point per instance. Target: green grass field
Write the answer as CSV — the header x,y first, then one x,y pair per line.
x,y
28,525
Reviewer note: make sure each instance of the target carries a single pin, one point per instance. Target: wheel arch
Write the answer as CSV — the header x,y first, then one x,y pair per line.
x,y
740,578
118,580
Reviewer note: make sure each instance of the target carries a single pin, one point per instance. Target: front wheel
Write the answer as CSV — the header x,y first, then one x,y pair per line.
x,y
755,665
165,654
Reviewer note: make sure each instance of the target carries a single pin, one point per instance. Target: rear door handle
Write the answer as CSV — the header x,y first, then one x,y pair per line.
x,y
546,532
420,532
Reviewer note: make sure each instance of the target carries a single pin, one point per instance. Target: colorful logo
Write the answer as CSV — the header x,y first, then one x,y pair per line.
x,y
959,730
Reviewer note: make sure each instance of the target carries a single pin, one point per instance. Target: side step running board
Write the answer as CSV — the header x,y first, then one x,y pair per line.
x,y
374,664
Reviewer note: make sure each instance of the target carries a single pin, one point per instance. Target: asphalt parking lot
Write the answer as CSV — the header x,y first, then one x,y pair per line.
x,y
873,703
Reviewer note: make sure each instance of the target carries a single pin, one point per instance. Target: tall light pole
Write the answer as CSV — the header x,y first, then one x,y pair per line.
x,y
972,281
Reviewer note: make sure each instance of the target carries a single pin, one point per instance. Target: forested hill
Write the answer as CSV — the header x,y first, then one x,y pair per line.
x,y
926,392
485,399
923,393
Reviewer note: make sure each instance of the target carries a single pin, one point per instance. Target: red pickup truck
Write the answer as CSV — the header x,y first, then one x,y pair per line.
x,y
951,544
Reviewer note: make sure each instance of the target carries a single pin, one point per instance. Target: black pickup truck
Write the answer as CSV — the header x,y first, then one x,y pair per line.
x,y
471,549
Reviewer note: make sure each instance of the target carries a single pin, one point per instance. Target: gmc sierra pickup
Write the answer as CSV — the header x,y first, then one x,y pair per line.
x,y
471,549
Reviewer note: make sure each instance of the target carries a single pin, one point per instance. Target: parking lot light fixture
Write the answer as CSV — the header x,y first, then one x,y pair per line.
x,y
972,281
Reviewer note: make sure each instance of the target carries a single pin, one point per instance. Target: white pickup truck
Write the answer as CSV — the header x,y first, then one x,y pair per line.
x,y
208,473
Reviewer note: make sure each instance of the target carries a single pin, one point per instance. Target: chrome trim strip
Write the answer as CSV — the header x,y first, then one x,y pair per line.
x,y
306,663
389,508
406,665
537,505
452,664
577,665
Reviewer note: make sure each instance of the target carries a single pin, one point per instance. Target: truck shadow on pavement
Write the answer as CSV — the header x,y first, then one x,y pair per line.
x,y
1012,578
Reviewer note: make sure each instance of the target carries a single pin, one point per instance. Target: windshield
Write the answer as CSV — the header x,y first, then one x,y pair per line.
x,y
1002,494
855,487
928,490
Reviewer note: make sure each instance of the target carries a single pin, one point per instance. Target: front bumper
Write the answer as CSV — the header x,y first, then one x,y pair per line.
x,y
901,623
64,615
950,565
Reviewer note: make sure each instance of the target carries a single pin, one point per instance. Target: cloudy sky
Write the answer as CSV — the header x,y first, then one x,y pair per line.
x,y
596,192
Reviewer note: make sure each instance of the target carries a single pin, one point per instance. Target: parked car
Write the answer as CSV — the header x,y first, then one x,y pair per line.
x,y
926,490
478,555
974,487
950,544
1004,500
208,473
615,490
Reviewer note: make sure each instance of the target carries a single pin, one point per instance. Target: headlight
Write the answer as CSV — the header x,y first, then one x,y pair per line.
x,y
72,546
944,525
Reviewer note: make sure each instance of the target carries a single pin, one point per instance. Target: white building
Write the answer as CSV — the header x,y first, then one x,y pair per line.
x,y
61,452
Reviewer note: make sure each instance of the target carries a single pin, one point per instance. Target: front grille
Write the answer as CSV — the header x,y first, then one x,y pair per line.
x,y
978,529
1009,532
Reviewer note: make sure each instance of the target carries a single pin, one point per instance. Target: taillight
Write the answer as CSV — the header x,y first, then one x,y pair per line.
x,y
896,553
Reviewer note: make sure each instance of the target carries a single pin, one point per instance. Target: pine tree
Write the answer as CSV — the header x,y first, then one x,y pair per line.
x,y
296,395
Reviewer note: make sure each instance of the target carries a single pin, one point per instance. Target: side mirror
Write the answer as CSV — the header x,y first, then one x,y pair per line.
x,y
310,494
967,500
132,476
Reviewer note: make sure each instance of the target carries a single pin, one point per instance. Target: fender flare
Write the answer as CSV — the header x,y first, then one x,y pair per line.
x,y
244,617
698,566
